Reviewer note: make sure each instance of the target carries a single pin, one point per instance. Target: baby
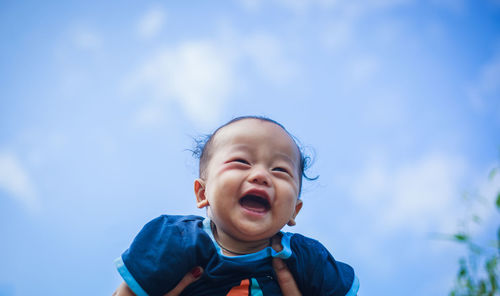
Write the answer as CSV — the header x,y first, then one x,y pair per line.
x,y
251,172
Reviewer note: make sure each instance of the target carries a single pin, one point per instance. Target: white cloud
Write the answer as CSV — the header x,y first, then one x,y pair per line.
x,y
196,75
345,28
302,6
251,5
362,68
419,196
339,34
200,75
151,23
14,180
386,3
418,200
152,114
298,6
85,38
266,53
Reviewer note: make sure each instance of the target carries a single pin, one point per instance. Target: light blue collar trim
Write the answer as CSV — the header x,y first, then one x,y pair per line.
x,y
128,278
354,288
262,254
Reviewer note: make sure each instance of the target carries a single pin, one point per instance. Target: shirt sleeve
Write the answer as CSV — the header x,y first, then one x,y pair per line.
x,y
317,272
161,254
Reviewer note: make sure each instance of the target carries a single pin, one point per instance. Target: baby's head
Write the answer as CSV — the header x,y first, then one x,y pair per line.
x,y
251,172
203,148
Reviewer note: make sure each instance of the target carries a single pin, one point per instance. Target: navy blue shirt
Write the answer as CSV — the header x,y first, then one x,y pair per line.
x,y
168,247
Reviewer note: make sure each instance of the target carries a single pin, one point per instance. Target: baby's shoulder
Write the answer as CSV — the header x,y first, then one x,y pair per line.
x,y
166,227
176,219
303,244
316,271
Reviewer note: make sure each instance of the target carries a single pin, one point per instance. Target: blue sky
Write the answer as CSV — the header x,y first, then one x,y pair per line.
x,y
398,99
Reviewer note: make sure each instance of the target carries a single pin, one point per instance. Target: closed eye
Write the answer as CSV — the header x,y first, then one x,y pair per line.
x,y
280,169
240,160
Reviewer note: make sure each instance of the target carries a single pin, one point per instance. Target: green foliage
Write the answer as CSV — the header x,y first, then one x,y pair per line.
x,y
461,237
470,280
498,201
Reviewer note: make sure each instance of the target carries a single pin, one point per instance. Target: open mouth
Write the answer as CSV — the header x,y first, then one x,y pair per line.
x,y
255,203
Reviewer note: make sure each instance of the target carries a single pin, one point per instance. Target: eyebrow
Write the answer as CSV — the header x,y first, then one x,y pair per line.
x,y
286,158
279,155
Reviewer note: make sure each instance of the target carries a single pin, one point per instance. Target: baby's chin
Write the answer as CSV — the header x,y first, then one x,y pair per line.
x,y
249,232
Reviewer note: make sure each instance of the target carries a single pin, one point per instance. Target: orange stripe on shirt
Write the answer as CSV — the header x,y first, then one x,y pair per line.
x,y
241,290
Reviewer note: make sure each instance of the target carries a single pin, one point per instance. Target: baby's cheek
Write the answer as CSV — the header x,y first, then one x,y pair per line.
x,y
293,189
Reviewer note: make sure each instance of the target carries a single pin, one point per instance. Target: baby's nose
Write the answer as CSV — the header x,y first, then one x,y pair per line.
x,y
260,176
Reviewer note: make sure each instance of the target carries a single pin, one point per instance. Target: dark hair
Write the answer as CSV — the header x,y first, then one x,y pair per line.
x,y
203,144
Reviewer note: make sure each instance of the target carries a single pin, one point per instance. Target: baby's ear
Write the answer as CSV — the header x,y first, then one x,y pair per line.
x,y
298,206
199,191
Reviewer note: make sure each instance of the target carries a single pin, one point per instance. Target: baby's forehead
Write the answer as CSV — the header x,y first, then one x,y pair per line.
x,y
250,133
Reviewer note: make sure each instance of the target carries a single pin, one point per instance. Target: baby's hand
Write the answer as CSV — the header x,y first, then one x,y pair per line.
x,y
285,277
285,280
188,279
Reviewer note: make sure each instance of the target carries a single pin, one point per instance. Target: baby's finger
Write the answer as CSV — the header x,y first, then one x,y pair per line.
x,y
285,278
188,279
123,290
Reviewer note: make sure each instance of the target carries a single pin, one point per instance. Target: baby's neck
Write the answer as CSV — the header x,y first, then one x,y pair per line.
x,y
231,246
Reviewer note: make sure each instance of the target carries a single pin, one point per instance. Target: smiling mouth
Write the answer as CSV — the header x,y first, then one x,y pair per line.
x,y
255,203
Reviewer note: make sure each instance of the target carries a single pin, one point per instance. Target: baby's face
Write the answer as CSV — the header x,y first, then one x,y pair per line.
x,y
252,180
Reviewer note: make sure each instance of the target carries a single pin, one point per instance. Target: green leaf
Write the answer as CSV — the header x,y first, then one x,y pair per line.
x,y
462,273
492,173
461,237
482,287
498,201
498,241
